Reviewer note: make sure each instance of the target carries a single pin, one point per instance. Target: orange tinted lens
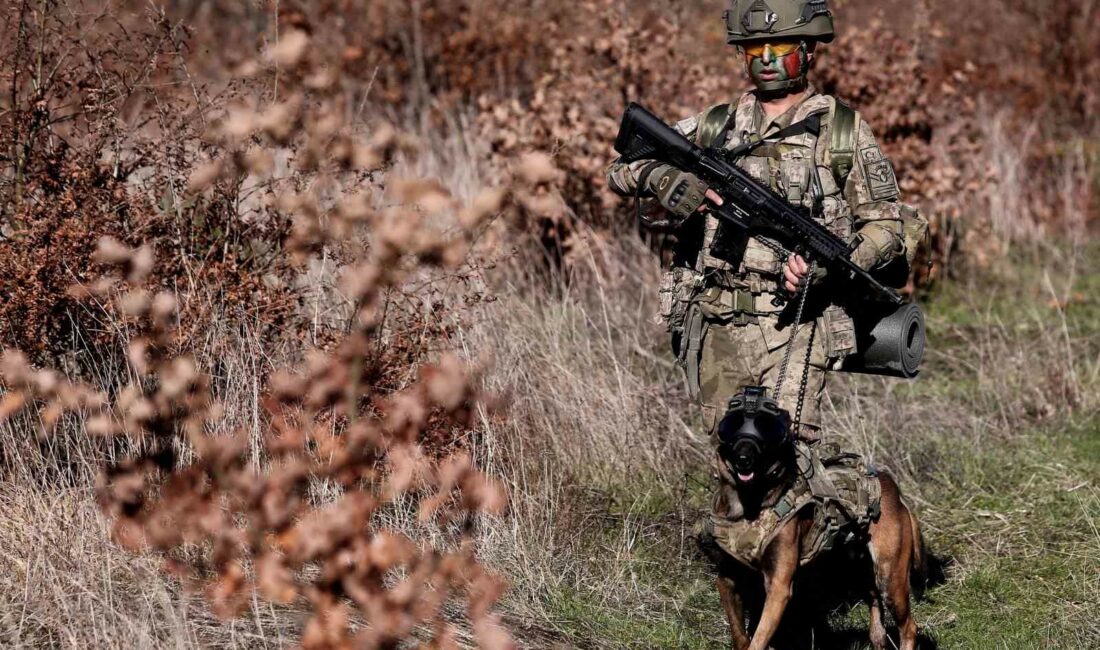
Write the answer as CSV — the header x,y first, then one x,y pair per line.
x,y
778,49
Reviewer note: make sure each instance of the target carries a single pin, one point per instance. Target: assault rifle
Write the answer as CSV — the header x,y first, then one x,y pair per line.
x,y
747,204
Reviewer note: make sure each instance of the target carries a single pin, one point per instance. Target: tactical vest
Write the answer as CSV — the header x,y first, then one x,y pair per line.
x,y
796,167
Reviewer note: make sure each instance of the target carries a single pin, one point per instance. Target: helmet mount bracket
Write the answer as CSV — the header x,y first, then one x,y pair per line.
x,y
759,18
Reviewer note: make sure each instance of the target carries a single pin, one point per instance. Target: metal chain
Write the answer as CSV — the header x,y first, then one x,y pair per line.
x,y
774,245
805,378
803,292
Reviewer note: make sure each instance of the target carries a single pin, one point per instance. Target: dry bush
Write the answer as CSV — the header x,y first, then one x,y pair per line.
x,y
349,439
533,79
128,100
102,126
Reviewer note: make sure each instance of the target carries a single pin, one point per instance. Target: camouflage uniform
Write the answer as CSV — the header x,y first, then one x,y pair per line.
x,y
722,297
718,296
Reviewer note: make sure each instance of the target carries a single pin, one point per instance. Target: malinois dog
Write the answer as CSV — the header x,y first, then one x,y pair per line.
x,y
757,458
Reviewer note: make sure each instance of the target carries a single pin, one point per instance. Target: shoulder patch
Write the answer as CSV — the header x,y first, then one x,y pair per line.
x,y
879,174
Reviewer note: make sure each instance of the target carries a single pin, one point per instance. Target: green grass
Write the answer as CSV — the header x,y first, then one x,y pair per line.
x,y
1021,529
1018,530
688,622
1013,509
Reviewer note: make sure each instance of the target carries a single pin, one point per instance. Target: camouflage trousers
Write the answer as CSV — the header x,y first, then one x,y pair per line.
x,y
730,353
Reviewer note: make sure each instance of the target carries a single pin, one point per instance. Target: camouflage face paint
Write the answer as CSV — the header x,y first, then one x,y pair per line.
x,y
772,66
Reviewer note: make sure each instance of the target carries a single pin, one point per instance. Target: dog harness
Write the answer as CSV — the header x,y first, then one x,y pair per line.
x,y
840,495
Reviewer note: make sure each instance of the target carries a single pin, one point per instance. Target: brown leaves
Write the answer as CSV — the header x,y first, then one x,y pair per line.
x,y
485,205
275,580
204,176
264,536
538,169
229,594
429,195
448,383
290,49
133,263
51,393
475,492
11,403
292,510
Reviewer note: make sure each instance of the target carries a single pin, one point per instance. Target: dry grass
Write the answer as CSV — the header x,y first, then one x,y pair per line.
x,y
67,585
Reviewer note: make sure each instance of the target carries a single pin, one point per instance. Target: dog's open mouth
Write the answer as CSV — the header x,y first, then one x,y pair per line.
x,y
746,478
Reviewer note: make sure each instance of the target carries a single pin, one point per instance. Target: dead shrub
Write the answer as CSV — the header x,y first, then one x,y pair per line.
x,y
362,418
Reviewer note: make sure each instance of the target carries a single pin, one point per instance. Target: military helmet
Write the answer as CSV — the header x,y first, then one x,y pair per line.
x,y
758,20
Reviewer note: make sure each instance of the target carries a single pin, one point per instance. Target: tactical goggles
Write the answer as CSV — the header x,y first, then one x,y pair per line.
x,y
777,49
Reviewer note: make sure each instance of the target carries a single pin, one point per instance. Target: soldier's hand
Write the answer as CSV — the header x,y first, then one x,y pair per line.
x,y
680,193
713,197
794,272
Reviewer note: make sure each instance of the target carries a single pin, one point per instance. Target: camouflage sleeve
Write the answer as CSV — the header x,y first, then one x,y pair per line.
x,y
872,192
623,177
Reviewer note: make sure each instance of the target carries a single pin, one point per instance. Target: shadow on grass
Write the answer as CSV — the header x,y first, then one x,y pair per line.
x,y
828,607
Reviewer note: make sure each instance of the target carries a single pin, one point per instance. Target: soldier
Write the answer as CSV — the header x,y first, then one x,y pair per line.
x,y
727,297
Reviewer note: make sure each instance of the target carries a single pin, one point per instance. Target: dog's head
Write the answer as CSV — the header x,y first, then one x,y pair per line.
x,y
754,437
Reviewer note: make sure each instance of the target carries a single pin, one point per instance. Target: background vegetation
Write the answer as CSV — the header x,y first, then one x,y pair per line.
x,y
318,208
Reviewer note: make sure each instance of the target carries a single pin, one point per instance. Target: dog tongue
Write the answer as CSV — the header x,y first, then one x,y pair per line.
x,y
745,478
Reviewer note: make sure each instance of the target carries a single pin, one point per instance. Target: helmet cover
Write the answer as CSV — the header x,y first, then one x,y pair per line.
x,y
763,20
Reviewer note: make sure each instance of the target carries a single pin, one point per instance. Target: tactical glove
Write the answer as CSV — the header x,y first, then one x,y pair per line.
x,y
679,192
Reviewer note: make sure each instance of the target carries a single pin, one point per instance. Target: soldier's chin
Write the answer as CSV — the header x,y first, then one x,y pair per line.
x,y
746,479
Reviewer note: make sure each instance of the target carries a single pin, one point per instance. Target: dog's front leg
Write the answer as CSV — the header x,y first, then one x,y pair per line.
x,y
735,612
780,563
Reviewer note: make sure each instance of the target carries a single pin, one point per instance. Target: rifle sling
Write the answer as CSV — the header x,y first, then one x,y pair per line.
x,y
811,124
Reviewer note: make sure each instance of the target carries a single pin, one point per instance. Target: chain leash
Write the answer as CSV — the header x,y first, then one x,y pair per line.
x,y
803,293
805,378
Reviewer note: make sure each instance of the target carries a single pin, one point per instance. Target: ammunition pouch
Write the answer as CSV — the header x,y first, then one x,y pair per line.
x,y
689,349
678,288
840,333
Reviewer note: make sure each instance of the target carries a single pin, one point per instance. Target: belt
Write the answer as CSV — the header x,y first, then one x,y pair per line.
x,y
736,305
741,306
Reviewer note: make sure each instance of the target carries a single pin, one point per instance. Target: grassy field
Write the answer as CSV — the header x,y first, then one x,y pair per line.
x,y
232,138
997,444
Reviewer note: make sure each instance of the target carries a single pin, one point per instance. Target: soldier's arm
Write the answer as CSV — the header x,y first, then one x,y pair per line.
x,y
872,192
640,177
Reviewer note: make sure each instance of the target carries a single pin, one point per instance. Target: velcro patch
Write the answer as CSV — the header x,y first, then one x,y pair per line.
x,y
879,174
687,126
